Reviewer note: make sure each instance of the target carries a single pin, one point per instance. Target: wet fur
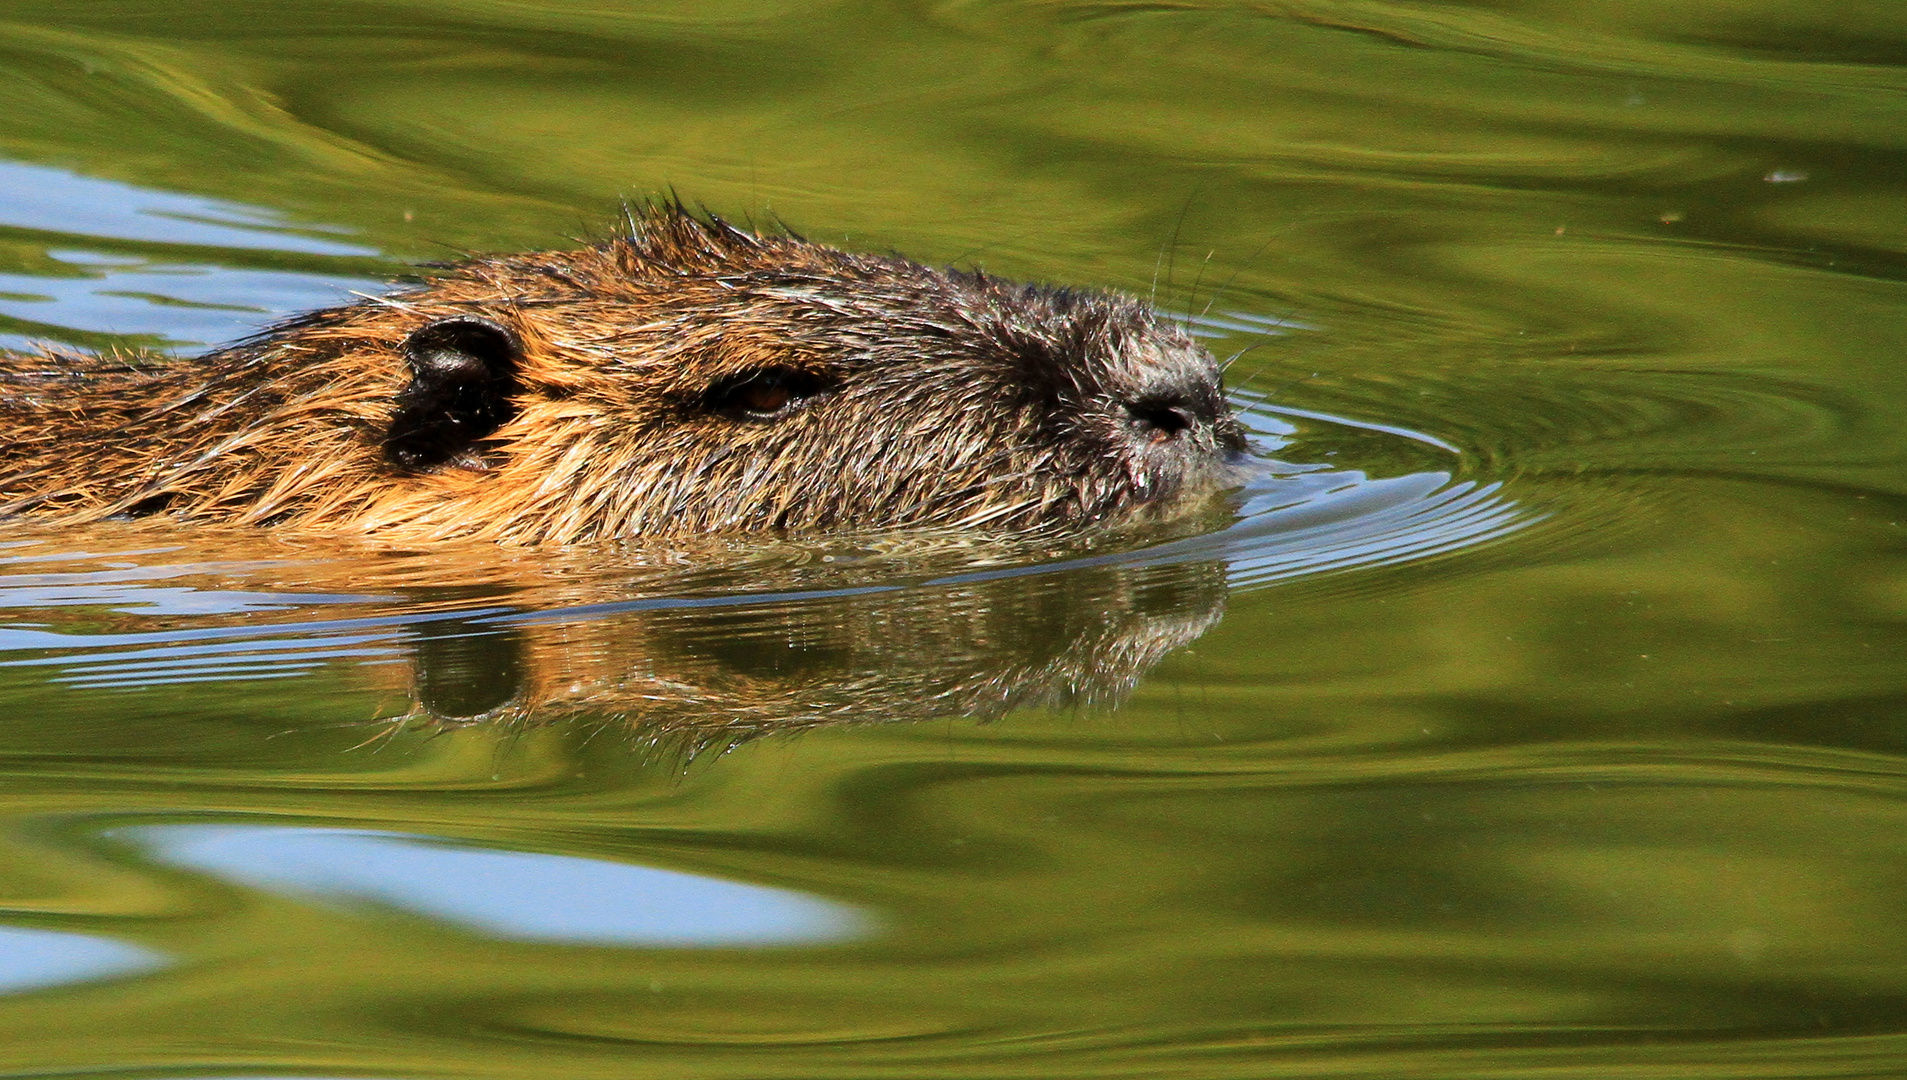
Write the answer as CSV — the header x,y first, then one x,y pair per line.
x,y
578,395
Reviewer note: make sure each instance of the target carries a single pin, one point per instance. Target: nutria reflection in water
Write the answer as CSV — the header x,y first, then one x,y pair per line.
x,y
686,378
745,639
689,676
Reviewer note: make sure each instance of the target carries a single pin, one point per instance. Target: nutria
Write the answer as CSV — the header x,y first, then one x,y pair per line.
x,y
686,376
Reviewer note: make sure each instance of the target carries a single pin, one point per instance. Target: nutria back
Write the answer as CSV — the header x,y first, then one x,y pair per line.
x,y
687,377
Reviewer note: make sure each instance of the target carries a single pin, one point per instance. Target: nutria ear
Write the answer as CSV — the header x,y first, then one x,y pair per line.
x,y
463,375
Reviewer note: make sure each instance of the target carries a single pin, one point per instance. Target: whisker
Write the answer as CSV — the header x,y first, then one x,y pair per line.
x,y
1192,297
1226,366
1171,250
1242,267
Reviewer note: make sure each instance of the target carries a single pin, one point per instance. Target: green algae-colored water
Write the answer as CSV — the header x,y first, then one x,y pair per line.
x,y
1544,713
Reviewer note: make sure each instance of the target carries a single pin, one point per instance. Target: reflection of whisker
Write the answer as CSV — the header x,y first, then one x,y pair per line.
x,y
385,735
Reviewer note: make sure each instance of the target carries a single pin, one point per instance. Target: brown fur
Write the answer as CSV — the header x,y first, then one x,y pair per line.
x,y
598,393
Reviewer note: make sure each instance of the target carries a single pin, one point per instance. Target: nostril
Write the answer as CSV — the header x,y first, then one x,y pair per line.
x,y
1159,420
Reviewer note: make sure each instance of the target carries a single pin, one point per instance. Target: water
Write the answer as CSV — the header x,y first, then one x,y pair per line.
x,y
1535,710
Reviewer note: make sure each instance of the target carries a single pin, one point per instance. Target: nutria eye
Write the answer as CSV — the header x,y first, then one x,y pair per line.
x,y
765,397
768,394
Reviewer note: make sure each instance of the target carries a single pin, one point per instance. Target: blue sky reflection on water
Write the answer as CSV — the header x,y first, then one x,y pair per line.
x,y
54,200
32,959
187,301
513,894
188,304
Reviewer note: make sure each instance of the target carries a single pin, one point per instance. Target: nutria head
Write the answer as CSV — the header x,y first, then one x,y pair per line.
x,y
688,377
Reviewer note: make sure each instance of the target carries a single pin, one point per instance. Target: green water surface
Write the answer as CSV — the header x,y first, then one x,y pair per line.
x,y
1619,793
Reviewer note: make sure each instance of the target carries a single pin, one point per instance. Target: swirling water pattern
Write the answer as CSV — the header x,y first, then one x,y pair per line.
x,y
1535,708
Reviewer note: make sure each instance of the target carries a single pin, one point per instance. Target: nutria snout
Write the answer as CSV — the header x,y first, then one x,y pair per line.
x,y
687,377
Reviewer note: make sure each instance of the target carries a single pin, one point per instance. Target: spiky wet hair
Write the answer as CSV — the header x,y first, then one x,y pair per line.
x,y
686,376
